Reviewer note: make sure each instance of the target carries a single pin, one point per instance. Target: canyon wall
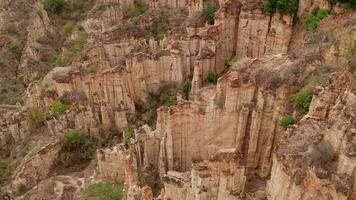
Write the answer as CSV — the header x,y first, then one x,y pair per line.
x,y
316,160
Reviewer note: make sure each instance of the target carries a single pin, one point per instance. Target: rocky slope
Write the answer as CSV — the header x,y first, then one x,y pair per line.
x,y
177,100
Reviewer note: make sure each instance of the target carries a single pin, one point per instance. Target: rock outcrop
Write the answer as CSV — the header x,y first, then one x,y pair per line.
x,y
317,157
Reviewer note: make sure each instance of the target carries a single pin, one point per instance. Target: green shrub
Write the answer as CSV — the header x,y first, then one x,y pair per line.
x,y
187,86
286,120
59,108
104,191
36,118
138,10
128,134
213,77
16,47
312,22
63,59
209,12
67,29
77,150
80,42
84,15
170,100
288,7
231,61
53,5
302,100
160,35
269,6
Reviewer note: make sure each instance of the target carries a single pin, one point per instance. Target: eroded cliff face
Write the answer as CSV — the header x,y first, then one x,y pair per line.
x,y
316,159
220,141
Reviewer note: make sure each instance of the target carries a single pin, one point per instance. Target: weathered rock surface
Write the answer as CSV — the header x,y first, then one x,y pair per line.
x,y
306,165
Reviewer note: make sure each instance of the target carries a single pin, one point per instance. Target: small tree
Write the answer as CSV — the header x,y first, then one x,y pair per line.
x,y
231,61
209,12
128,134
59,108
302,100
286,121
213,77
312,22
288,7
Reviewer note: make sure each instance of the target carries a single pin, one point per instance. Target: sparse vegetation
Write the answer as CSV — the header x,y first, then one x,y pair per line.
x,y
11,100
170,100
317,80
84,15
59,108
77,150
187,85
136,11
36,118
92,68
351,52
74,4
213,78
160,35
231,61
53,5
209,12
3,167
302,100
349,4
352,66
104,191
16,47
286,121
129,133
312,22
67,29
63,59
150,177
80,42
288,7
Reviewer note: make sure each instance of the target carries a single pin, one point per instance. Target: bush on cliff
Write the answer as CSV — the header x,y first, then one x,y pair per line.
x,y
135,11
59,108
213,78
77,150
288,7
129,133
312,22
36,119
104,191
302,100
209,12
286,121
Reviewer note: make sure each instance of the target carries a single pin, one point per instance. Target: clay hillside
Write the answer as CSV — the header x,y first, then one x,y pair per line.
x,y
177,99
